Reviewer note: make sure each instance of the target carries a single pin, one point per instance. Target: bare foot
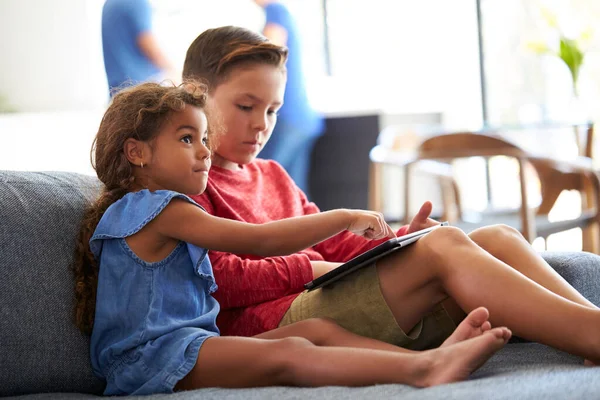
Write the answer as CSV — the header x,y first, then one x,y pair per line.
x,y
456,362
474,324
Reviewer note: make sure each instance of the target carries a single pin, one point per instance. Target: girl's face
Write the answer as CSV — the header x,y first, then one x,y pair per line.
x,y
247,101
179,159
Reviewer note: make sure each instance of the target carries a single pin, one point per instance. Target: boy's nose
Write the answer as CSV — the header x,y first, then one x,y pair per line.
x,y
260,123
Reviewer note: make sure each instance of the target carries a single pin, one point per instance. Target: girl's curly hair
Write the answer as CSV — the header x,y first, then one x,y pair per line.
x,y
137,112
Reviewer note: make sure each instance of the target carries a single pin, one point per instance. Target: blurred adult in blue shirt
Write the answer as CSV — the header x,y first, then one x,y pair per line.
x,y
131,52
298,125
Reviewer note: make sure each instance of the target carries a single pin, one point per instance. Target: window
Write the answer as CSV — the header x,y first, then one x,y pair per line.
x,y
525,87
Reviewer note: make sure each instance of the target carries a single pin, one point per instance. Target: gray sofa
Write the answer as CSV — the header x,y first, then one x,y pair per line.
x,y
43,355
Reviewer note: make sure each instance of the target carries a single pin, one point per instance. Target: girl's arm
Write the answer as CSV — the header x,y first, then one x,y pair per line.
x,y
184,221
343,246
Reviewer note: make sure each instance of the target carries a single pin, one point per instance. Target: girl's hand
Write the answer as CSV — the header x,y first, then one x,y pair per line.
x,y
369,224
422,220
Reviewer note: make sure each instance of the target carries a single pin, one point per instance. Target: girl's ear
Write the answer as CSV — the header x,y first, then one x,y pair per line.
x,y
137,152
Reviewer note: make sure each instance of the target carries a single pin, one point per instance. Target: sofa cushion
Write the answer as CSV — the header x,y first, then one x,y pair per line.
x,y
519,371
42,350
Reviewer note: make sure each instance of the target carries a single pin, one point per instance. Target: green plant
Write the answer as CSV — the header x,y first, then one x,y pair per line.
x,y
5,106
571,50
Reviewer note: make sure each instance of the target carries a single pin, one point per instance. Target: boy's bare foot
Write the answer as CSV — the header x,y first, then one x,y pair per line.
x,y
456,362
474,324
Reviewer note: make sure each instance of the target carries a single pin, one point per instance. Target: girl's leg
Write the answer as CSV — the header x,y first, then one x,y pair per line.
x,y
447,263
508,245
284,360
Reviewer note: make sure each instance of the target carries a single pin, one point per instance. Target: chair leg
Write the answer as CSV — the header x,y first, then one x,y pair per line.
x,y
450,199
375,197
528,228
591,198
407,174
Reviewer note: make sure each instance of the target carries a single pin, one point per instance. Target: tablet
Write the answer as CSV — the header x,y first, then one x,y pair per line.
x,y
368,257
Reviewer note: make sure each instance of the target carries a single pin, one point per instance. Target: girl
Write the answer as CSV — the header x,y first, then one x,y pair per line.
x,y
144,284
411,298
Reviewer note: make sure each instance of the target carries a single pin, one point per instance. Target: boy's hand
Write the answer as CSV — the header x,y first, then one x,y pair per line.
x,y
369,224
422,220
322,267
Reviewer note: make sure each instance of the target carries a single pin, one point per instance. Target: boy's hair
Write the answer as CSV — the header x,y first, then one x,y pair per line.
x,y
216,51
138,113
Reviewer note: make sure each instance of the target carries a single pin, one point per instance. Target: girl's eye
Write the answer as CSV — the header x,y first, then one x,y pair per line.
x,y
187,139
244,108
205,141
273,112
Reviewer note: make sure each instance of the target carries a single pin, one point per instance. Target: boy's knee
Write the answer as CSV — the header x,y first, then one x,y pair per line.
x,y
319,330
495,236
293,343
442,238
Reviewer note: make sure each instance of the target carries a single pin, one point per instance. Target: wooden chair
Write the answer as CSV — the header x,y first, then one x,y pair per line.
x,y
397,146
555,174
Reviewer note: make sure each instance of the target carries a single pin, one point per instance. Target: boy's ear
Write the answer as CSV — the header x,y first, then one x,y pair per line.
x,y
137,152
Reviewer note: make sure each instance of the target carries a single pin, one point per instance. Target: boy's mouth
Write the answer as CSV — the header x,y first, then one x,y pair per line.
x,y
201,169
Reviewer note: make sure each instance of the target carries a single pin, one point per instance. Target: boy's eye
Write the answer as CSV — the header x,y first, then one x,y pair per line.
x,y
272,112
187,139
205,141
244,108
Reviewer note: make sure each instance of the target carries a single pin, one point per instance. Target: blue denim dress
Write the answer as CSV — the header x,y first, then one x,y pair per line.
x,y
151,318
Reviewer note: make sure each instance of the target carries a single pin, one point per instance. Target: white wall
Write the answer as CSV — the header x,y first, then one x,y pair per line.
x,y
52,71
51,50
51,54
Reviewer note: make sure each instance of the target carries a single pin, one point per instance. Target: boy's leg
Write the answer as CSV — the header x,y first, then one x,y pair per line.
x,y
356,303
252,362
508,245
325,332
447,263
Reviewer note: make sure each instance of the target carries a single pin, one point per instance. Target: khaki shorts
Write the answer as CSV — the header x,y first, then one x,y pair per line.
x,y
355,302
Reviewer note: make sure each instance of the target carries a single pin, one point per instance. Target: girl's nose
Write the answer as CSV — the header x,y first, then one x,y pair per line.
x,y
203,152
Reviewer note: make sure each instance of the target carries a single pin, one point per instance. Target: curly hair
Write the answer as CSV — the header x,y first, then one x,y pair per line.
x,y
137,112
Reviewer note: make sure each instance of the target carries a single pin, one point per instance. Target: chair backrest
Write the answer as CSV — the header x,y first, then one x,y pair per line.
x,y
456,145
396,145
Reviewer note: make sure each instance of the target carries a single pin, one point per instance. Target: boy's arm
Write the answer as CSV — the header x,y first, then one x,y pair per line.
x,y
185,221
245,282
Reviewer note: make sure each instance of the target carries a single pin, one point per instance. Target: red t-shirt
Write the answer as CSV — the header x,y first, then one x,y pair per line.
x,y
255,292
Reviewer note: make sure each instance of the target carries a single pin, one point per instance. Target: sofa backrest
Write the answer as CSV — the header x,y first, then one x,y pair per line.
x,y
41,350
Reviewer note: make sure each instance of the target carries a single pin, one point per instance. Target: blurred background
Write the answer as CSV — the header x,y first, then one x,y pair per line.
x,y
387,73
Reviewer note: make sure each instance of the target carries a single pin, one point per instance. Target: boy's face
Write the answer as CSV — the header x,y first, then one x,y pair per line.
x,y
247,101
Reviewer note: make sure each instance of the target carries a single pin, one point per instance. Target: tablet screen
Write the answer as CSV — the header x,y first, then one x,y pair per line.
x,y
368,257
